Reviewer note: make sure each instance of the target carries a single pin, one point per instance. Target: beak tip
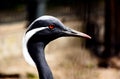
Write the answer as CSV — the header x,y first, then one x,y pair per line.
x,y
86,36
89,37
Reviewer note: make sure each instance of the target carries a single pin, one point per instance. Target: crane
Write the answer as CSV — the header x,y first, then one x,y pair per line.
x,y
39,33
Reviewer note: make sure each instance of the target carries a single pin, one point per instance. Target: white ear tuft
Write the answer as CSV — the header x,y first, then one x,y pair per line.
x,y
26,38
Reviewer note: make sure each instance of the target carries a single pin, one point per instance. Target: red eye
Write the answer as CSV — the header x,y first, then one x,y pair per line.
x,y
51,26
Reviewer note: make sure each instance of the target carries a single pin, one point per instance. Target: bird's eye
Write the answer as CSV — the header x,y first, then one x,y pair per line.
x,y
51,26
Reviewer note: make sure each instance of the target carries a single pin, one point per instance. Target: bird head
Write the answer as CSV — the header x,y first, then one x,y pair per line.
x,y
45,29
48,28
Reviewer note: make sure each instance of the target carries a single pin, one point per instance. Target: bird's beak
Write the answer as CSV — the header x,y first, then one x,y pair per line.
x,y
71,32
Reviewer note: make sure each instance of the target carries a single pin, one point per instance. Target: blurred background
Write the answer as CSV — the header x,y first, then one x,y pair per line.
x,y
77,58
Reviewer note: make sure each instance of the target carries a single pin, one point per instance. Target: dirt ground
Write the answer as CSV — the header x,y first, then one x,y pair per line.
x,y
67,58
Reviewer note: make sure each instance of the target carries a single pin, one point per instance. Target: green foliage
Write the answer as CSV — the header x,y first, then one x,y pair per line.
x,y
31,76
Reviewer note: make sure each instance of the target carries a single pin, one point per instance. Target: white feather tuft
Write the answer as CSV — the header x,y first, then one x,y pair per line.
x,y
26,38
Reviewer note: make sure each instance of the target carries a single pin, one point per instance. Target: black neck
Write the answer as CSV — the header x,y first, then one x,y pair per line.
x,y
36,50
